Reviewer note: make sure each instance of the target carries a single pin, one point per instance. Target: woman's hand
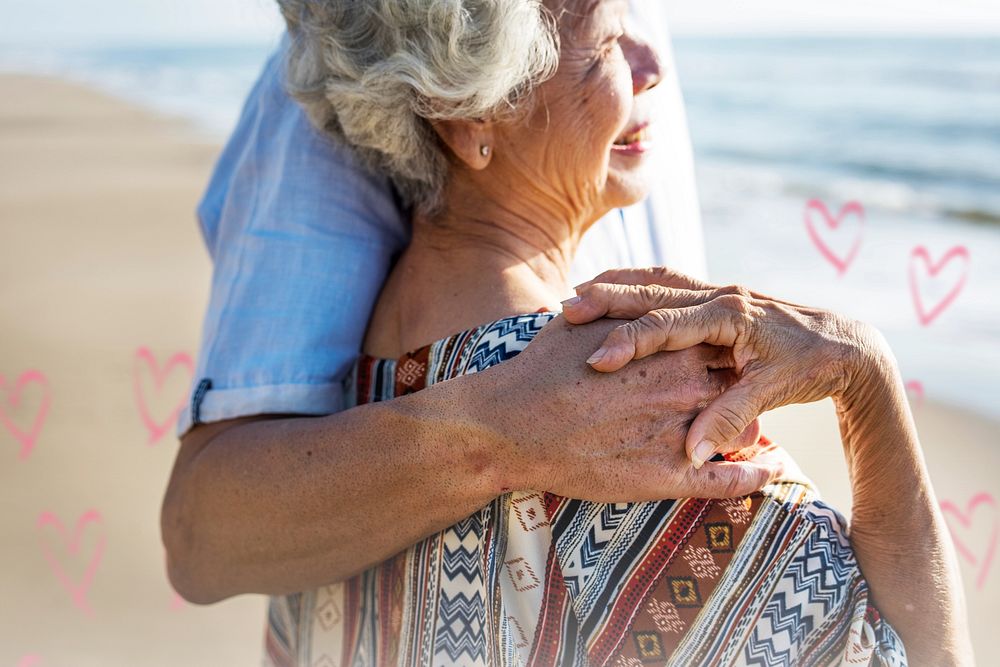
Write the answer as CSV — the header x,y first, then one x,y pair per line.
x,y
787,354
783,353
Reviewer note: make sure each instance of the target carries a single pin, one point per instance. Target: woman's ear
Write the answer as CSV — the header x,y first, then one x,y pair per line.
x,y
471,141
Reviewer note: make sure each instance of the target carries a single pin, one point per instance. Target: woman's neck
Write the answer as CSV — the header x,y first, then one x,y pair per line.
x,y
468,267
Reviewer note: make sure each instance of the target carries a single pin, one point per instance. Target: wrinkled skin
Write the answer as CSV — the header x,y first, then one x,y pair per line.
x,y
654,402
782,353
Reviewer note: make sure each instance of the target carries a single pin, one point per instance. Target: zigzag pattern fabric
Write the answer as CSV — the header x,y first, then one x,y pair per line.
x,y
535,580
461,606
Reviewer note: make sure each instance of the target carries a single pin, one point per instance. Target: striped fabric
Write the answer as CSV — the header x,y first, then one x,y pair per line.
x,y
537,579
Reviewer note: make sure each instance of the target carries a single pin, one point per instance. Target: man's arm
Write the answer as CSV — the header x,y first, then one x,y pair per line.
x,y
288,504
285,504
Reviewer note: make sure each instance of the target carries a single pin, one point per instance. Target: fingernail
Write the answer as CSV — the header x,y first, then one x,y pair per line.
x,y
572,302
597,356
702,452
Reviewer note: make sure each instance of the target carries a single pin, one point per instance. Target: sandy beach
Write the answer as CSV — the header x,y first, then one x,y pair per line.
x,y
103,283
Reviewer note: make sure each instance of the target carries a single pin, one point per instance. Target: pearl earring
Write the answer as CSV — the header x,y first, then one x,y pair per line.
x,y
484,150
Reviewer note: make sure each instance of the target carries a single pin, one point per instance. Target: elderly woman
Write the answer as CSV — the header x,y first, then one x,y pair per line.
x,y
511,126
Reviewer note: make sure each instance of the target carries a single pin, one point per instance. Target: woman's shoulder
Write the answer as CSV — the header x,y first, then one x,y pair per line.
x,y
768,578
794,500
463,353
497,341
813,598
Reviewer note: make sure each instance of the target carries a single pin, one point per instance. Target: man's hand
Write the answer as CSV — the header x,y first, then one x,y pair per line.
x,y
782,353
615,438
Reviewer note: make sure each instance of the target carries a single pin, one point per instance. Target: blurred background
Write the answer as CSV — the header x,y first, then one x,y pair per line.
x,y
847,155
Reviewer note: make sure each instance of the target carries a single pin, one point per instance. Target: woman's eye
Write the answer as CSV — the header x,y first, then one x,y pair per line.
x,y
606,49
612,44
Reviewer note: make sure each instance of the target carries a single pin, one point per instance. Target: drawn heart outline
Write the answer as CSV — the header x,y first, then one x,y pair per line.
x,y
965,518
920,252
916,389
840,263
78,591
144,355
177,603
13,395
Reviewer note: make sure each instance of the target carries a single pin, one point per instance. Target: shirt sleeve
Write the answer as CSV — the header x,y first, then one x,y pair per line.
x,y
301,238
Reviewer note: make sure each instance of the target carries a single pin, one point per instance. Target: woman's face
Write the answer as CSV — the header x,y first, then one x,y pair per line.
x,y
587,137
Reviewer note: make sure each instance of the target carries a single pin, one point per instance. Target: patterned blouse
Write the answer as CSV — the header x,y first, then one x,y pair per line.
x,y
537,579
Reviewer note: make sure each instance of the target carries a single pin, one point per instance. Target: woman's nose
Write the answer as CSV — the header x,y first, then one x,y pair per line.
x,y
647,68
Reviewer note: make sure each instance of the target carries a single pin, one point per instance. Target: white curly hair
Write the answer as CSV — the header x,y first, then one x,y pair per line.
x,y
373,73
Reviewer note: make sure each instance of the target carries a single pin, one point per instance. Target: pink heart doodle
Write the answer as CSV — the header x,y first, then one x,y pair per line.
x,y
921,252
965,519
78,591
157,429
29,661
29,438
177,603
851,207
916,389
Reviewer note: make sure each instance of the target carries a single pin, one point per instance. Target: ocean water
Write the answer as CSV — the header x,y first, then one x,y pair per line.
x,y
203,83
911,125
905,130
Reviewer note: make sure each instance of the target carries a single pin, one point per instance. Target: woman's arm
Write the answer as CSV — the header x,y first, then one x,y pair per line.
x,y
788,354
897,529
281,505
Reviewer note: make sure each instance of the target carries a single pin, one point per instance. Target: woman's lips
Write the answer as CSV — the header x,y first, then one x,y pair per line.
x,y
635,141
637,148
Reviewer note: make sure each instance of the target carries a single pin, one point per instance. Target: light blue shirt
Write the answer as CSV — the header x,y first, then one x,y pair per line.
x,y
302,238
